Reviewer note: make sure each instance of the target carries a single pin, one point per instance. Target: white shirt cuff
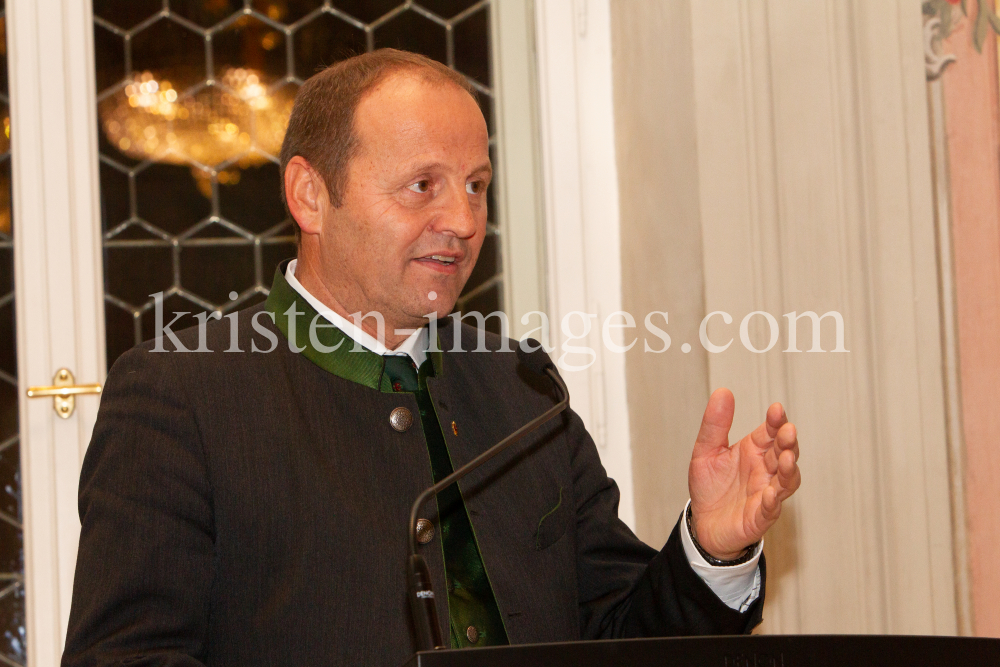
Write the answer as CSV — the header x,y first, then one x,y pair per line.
x,y
736,585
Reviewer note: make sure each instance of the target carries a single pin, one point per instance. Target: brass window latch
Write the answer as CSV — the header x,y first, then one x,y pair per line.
x,y
64,392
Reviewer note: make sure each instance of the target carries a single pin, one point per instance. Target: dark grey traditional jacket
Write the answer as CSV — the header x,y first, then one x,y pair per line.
x,y
248,509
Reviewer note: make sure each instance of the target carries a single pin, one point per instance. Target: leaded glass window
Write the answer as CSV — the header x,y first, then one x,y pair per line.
x,y
12,628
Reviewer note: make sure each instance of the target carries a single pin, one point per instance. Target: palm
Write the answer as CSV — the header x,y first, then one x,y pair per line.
x,y
736,492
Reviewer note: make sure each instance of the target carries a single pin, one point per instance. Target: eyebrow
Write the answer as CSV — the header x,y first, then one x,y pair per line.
x,y
485,167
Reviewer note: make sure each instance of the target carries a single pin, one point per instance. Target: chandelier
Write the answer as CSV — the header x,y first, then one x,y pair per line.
x,y
229,125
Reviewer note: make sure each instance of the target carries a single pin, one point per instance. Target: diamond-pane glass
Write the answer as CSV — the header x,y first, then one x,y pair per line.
x,y
193,100
12,627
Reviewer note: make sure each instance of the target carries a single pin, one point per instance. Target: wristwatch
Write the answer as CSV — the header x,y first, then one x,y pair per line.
x,y
747,554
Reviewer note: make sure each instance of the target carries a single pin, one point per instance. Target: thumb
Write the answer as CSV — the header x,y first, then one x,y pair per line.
x,y
715,425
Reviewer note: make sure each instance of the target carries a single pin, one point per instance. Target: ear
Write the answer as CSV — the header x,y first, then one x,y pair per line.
x,y
306,194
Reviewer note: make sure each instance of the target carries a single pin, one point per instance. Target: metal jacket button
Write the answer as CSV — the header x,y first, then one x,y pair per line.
x,y
425,531
401,419
472,632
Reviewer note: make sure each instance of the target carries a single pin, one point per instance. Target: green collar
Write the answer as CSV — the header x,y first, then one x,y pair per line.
x,y
325,345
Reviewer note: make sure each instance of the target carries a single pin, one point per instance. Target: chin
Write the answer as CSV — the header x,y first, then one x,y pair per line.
x,y
419,309
442,307
442,312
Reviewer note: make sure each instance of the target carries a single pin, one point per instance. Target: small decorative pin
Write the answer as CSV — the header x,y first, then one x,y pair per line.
x,y
454,428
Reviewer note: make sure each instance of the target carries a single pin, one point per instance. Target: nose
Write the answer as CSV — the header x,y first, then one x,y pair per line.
x,y
457,217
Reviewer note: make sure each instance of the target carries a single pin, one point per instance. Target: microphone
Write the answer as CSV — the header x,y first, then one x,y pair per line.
x,y
421,591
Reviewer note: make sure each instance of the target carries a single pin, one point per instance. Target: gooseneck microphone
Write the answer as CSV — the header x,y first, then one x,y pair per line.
x,y
421,591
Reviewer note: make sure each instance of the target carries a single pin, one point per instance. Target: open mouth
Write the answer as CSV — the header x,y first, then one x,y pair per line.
x,y
442,261
443,264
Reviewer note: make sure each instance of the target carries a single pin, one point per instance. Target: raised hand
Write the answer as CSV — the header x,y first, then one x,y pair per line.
x,y
736,492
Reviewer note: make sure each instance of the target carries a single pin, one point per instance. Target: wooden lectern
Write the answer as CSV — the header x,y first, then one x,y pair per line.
x,y
741,651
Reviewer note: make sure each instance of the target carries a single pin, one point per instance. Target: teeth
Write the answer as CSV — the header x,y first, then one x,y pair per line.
x,y
443,259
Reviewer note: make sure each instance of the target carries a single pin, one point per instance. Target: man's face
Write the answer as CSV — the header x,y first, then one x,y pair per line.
x,y
413,214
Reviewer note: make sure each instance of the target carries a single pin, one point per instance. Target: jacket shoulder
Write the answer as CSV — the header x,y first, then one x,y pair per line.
x,y
209,342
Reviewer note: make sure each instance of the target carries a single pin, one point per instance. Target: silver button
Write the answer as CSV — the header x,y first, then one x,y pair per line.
x,y
401,419
472,633
425,531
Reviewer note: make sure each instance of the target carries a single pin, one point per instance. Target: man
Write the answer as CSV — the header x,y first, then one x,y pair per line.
x,y
247,506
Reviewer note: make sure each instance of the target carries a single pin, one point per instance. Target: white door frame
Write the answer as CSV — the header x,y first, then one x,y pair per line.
x,y
573,38
59,288
518,163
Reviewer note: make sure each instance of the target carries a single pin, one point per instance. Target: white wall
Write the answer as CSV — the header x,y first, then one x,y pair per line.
x,y
803,126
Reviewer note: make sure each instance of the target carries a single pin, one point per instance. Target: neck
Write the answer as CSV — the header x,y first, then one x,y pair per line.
x,y
311,280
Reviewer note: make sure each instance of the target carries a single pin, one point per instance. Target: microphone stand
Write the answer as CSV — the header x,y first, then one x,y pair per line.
x,y
425,620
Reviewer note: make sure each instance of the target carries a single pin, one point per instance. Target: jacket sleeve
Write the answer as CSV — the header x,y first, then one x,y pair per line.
x,y
145,562
626,588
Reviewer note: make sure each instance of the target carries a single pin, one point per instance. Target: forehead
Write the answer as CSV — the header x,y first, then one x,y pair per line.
x,y
409,112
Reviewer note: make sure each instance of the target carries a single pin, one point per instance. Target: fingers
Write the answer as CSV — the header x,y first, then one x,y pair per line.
x,y
715,425
774,419
787,440
783,485
782,463
788,478
770,505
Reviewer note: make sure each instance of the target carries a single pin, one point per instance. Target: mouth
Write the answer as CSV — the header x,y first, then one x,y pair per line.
x,y
441,263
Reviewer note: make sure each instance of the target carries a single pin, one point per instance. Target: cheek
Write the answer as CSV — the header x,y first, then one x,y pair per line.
x,y
381,241
404,229
477,244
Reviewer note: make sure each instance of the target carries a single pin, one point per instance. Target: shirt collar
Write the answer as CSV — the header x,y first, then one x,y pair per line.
x,y
415,346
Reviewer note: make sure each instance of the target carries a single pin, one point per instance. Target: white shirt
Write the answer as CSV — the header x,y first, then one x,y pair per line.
x,y
737,586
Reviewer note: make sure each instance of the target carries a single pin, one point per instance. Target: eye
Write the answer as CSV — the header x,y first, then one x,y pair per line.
x,y
420,186
474,187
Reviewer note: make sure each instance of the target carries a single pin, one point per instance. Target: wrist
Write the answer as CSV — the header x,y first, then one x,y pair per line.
x,y
726,559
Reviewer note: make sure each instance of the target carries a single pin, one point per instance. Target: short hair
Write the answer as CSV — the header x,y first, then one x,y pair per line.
x,y
321,125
